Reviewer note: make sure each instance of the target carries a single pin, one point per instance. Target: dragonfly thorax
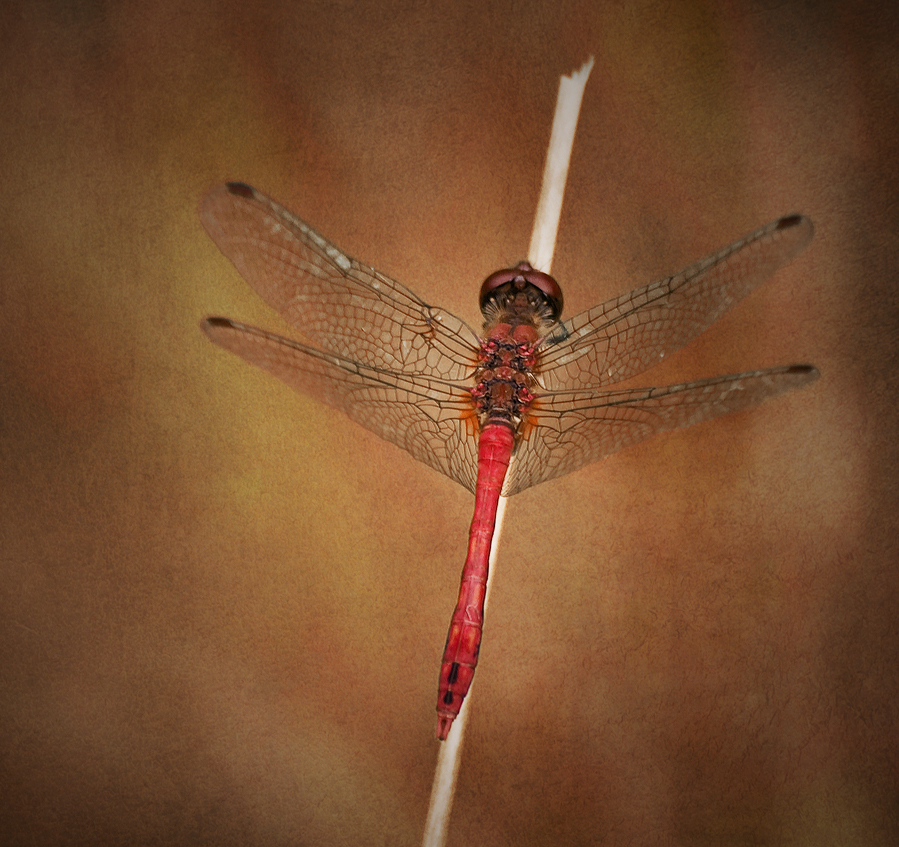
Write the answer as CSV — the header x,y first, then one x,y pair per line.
x,y
503,391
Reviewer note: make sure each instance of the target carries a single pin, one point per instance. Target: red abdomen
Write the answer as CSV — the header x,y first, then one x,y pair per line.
x,y
460,657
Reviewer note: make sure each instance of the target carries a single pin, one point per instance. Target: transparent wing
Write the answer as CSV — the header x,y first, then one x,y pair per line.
x,y
570,429
332,300
430,418
625,336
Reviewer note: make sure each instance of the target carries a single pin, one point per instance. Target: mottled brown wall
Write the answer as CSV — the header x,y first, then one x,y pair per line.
x,y
223,605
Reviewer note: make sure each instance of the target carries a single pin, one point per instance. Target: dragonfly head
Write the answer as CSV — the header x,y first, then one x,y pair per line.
x,y
542,291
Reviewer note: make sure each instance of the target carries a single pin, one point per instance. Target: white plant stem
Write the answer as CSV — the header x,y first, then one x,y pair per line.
x,y
540,255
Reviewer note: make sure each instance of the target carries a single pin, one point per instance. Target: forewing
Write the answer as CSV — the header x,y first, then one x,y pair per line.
x,y
430,418
625,336
332,300
570,429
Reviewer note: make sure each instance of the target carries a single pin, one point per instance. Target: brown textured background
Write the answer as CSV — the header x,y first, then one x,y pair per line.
x,y
223,605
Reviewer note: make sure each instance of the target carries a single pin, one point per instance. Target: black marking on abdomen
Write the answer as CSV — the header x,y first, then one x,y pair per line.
x,y
448,698
454,673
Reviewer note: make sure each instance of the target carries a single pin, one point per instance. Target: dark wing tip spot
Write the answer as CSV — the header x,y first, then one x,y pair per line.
x,y
810,370
789,221
241,189
218,322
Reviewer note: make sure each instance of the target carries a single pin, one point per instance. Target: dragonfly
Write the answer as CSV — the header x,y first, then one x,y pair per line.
x,y
529,399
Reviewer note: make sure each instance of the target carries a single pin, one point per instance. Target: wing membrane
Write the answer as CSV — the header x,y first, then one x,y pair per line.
x,y
332,300
623,337
403,369
570,429
425,416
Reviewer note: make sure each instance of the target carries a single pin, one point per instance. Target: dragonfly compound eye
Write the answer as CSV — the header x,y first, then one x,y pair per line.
x,y
519,277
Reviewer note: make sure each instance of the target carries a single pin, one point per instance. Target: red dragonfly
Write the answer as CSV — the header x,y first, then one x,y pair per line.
x,y
527,401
